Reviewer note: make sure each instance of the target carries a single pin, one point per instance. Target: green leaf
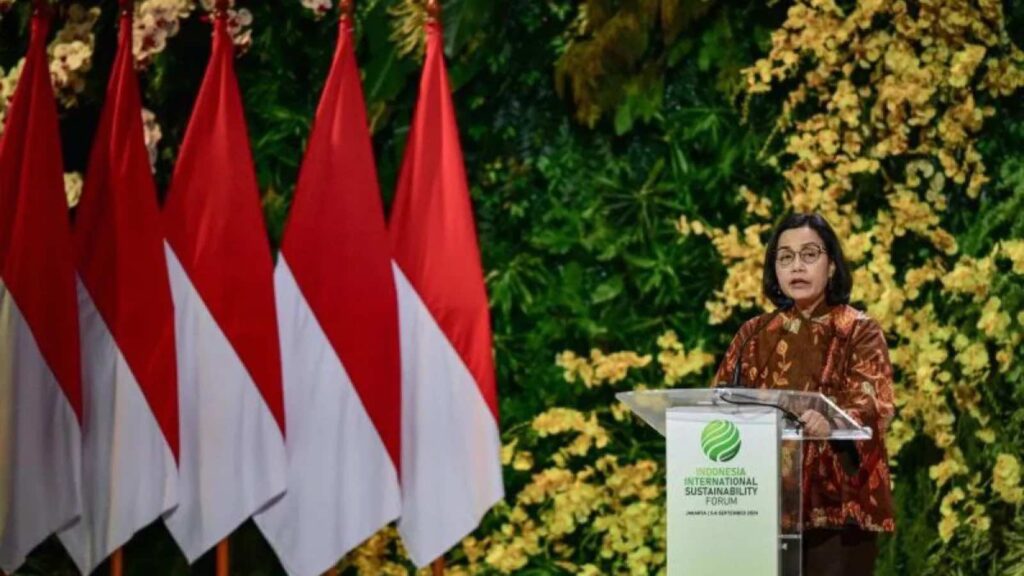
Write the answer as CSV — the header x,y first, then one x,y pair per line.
x,y
623,119
607,290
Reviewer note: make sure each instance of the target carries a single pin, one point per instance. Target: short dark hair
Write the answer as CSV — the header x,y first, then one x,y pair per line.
x,y
838,289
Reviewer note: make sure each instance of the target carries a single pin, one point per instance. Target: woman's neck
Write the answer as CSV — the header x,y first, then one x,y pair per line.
x,y
807,308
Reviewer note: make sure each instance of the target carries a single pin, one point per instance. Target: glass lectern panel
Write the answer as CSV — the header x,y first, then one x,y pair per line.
x,y
651,405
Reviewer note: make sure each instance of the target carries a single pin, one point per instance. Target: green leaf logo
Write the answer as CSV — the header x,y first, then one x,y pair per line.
x,y
720,440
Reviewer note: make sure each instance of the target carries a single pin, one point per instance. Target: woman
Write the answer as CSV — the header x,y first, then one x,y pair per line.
x,y
817,342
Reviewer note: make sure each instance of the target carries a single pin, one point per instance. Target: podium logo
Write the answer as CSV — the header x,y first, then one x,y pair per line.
x,y
720,440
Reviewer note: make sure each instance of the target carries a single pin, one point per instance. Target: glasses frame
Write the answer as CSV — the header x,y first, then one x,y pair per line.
x,y
807,260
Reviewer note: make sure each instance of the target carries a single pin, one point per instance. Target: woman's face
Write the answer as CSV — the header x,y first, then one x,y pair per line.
x,y
803,266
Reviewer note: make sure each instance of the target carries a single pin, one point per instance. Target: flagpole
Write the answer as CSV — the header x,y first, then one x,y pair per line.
x,y
434,16
223,558
433,10
42,8
220,10
117,558
223,550
117,562
346,17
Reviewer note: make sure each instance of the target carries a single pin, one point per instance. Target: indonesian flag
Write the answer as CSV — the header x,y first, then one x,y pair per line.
x,y
338,315
130,425
40,368
232,457
451,469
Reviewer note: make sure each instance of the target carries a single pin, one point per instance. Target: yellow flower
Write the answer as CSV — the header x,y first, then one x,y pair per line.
x,y
575,367
1013,250
473,549
952,465
993,322
1006,479
73,188
916,278
72,56
757,205
601,368
970,276
973,359
947,526
828,141
683,226
614,367
523,461
986,435
911,213
980,521
507,451
950,519
557,421
507,558
675,362
900,433
964,64
857,245
1004,357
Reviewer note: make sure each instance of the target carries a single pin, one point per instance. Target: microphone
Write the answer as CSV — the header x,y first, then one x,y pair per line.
x,y
738,369
846,451
738,365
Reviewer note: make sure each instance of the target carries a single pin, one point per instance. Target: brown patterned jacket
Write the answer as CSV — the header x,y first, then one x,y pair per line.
x,y
840,352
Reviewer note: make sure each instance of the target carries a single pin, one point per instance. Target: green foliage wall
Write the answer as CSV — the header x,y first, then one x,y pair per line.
x,y
589,128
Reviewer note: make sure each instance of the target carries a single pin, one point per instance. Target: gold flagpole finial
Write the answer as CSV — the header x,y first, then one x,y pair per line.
x,y
433,10
348,9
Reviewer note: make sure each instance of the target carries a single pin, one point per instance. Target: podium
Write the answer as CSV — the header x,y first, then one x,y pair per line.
x,y
734,475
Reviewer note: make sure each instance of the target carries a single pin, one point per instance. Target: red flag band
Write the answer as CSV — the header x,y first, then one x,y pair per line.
x,y
130,425
451,470
339,340
40,366
229,371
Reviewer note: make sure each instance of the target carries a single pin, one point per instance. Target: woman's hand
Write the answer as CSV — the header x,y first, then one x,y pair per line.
x,y
815,424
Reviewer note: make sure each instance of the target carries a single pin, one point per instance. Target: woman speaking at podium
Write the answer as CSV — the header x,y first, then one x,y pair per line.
x,y
815,341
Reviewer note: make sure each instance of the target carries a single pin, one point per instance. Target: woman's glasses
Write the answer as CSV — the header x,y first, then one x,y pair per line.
x,y
808,255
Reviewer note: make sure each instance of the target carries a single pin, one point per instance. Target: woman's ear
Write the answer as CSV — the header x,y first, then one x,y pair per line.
x,y
831,270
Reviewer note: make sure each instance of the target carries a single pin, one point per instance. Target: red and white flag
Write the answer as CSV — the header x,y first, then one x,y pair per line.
x,y
129,382
451,468
338,317
232,456
40,366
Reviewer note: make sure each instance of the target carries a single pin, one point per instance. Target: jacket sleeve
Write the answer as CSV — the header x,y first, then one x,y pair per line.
x,y
867,393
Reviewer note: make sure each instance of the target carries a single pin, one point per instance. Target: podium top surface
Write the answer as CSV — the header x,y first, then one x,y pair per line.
x,y
650,405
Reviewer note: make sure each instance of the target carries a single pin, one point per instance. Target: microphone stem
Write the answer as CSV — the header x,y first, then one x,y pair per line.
x,y
737,370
